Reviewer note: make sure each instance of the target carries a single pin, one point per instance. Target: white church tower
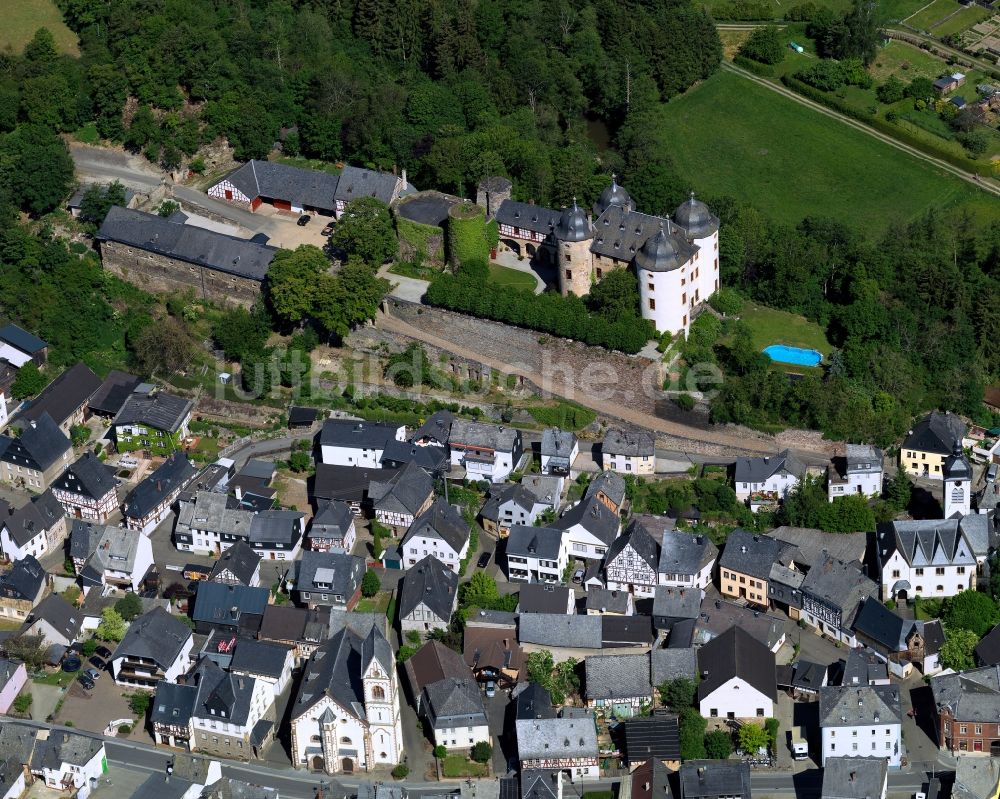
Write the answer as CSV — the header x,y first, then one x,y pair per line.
x,y
957,473
381,688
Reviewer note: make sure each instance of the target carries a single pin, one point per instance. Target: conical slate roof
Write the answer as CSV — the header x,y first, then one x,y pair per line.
x,y
574,225
696,219
659,253
613,195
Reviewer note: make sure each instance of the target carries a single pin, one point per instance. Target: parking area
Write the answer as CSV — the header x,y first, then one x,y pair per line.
x,y
285,232
92,710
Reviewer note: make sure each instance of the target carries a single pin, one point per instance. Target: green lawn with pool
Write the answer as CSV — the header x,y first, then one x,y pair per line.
x,y
770,326
514,278
732,137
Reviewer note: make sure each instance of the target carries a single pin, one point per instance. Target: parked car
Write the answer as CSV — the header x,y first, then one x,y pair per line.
x,y
991,473
97,663
578,576
328,230
103,651
491,689
94,674
484,560
86,682
304,220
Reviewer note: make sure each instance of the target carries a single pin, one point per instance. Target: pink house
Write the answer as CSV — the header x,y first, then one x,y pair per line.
x,y
13,676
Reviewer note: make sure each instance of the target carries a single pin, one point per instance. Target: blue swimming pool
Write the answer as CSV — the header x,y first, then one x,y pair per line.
x,y
794,355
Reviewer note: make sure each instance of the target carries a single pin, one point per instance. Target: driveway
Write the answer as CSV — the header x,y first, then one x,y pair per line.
x,y
101,164
92,710
500,713
404,288
44,699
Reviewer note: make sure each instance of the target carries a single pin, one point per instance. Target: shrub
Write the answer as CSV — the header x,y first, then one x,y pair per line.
x,y
300,461
482,752
440,752
892,91
684,401
128,607
400,772
139,703
22,703
89,647
125,729
370,584
727,301
764,45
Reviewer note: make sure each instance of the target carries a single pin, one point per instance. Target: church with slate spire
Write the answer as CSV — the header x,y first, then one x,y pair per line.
x,y
675,259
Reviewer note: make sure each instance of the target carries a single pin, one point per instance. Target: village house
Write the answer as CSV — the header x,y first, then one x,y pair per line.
x,y
269,663
252,486
863,666
606,602
628,452
153,421
113,393
13,677
428,596
18,346
331,579
831,593
167,255
686,560
55,620
238,565
207,525
229,609
967,705
803,678
949,83
564,636
589,527
899,641
455,712
21,588
673,605
149,503
65,400
492,651
559,744
857,471
116,556
332,528
346,714
559,450
618,685
632,560
156,647
36,528
546,598
402,497
37,456
300,629
715,779
536,554
433,460
931,557
932,439
653,744
439,531
737,677
768,479
976,777
863,721
718,615
486,451
68,761
429,664
88,489
855,778
346,442
347,484
510,505
745,565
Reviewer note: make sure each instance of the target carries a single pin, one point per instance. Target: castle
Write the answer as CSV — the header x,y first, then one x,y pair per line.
x,y
676,261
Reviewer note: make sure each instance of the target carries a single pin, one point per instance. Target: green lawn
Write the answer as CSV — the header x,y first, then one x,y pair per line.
x,y
309,163
906,62
21,18
406,269
461,766
514,278
376,604
733,137
87,134
779,7
966,18
928,16
770,326
898,10
60,678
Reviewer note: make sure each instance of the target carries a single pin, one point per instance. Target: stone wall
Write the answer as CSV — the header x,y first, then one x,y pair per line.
x,y
159,273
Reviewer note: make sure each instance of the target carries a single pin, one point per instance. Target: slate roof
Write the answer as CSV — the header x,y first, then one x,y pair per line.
x,y
336,668
63,396
617,676
535,784
854,777
802,675
259,657
26,522
543,486
642,542
533,702
622,234
116,388
609,483
752,554
453,702
813,545
736,653
157,636
21,339
403,492
628,442
173,704
480,434
988,648
556,738
275,527
557,443
221,692
527,216
346,483
651,780
657,737
605,600
332,519
863,667
685,553
432,583
673,602
440,521
757,470
288,623
87,477
41,443
936,432
976,777
593,516
672,664
300,415
168,479
64,747
303,187
492,648
936,542
356,434
114,550
83,538
543,598
214,603
839,585
159,410
61,616
718,615
850,705
714,778
428,458
329,572
240,560
517,494
620,631
433,662
972,695
355,182
555,629
23,580
877,623
534,542
241,257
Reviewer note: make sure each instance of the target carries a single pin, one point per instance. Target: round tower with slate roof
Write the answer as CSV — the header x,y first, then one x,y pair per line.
x,y
660,267
574,261
702,229
957,473
613,195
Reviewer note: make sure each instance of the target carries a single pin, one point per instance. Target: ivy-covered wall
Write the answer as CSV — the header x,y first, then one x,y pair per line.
x,y
467,235
416,238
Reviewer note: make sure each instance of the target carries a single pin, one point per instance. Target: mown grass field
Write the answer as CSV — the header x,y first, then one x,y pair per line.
x,y
929,15
733,137
964,19
513,278
21,18
770,326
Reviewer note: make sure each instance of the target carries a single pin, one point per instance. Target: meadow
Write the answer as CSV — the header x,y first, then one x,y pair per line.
x,y
21,18
733,137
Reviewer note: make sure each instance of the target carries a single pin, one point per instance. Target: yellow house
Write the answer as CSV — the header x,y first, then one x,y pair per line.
x,y
745,565
929,443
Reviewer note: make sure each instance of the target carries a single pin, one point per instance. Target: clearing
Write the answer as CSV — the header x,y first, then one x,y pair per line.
x,y
771,326
733,137
22,18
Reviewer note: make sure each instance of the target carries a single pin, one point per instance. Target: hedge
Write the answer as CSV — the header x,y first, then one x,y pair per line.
x,y
548,313
884,126
763,70
467,241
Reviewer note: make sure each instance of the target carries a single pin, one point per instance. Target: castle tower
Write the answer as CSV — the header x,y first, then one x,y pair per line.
x,y
659,268
574,261
702,229
381,686
957,473
613,195
491,192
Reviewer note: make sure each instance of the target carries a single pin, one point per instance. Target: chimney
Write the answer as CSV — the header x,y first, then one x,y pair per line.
x,y
33,424
404,177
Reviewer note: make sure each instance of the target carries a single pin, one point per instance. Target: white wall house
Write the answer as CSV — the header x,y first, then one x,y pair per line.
x,y
861,721
36,528
536,554
439,532
858,472
589,527
13,677
206,725
738,678
486,451
632,561
65,766
686,560
345,442
775,474
628,452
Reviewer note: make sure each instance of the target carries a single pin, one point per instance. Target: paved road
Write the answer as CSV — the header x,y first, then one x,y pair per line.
x,y
106,165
